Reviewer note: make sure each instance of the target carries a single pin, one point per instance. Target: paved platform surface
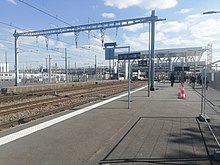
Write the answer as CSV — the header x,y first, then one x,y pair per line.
x,y
160,129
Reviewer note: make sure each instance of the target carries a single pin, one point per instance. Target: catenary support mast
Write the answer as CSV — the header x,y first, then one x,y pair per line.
x,y
80,28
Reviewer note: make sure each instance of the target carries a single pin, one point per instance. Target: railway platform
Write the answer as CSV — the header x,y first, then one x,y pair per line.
x,y
160,129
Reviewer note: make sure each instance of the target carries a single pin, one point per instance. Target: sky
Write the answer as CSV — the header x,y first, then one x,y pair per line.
x,y
185,26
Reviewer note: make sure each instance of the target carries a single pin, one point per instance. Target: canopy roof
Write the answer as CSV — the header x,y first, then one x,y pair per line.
x,y
177,52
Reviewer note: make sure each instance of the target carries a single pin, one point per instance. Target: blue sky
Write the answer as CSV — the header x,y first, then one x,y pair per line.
x,y
185,26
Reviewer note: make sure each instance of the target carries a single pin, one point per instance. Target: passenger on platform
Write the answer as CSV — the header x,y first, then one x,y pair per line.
x,y
193,81
199,79
172,79
187,78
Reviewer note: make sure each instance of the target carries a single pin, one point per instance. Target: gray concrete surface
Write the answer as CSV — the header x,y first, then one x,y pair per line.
x,y
50,86
158,129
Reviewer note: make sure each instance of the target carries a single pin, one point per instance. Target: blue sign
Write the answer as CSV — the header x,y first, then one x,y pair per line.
x,y
129,56
110,44
109,53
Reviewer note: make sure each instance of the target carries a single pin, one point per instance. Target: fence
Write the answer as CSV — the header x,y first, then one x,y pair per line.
x,y
210,109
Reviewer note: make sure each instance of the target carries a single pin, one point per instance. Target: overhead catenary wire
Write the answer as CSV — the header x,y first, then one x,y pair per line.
x,y
55,39
37,47
10,25
40,10
48,14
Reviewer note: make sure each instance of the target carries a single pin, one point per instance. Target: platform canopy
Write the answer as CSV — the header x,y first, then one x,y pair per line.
x,y
166,59
190,54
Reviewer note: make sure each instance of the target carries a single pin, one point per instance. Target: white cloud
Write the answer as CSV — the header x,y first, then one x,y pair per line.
x,y
12,1
2,46
184,11
141,41
108,15
195,19
207,30
134,28
160,36
200,31
146,4
181,41
137,42
172,27
60,45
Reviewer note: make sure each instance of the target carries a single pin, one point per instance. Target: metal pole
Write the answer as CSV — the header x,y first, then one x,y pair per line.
x,y
204,89
129,81
6,62
113,65
66,71
95,68
16,60
149,63
46,65
69,70
152,50
49,69
117,68
202,98
182,72
75,69
109,65
129,84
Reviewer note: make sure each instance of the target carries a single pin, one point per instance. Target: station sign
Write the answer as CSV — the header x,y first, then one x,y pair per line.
x,y
110,44
180,68
129,56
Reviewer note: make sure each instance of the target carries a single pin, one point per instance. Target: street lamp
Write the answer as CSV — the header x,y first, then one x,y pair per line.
x,y
211,12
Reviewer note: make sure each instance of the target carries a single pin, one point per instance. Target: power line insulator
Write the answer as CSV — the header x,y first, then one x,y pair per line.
x,y
102,36
47,41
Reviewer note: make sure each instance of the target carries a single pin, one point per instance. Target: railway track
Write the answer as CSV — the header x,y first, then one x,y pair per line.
x,y
17,113
5,110
34,94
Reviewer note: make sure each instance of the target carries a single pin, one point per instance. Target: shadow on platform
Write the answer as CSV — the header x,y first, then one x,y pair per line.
x,y
161,140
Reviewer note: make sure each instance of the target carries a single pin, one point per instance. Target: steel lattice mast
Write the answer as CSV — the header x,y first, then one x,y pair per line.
x,y
80,28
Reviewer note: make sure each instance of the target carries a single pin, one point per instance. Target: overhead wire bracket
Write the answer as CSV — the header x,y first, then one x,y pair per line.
x,y
76,34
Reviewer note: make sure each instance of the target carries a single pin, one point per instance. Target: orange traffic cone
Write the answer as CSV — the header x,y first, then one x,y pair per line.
x,y
182,94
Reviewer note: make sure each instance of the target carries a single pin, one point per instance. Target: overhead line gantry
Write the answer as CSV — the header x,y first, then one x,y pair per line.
x,y
88,27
